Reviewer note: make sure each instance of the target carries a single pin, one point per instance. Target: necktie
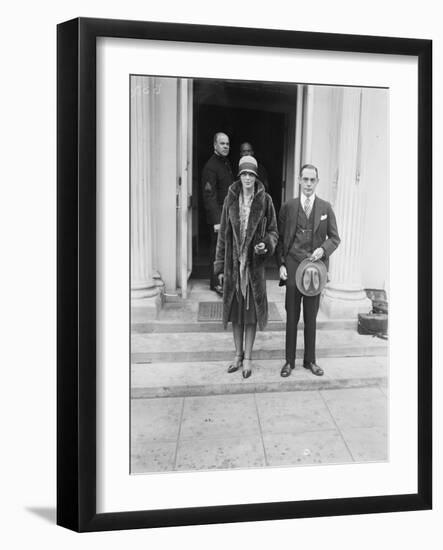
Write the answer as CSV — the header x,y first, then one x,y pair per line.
x,y
307,207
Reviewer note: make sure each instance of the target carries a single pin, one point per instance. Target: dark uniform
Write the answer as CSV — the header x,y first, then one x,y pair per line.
x,y
216,178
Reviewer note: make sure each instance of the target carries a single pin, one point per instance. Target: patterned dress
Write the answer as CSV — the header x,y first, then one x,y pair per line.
x,y
243,309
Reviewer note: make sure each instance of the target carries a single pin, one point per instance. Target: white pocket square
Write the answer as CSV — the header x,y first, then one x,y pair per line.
x,y
323,217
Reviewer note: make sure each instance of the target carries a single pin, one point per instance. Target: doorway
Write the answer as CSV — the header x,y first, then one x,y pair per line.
x,y
256,112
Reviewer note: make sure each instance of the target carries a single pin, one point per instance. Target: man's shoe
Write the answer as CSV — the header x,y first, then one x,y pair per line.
x,y
314,368
286,370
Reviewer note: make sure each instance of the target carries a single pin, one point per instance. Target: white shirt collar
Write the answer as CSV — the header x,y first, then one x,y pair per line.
x,y
303,199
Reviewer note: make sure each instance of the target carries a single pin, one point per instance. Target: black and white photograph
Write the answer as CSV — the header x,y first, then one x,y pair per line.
x,y
259,274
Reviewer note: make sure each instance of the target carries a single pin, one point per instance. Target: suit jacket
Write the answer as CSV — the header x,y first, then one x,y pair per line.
x,y
325,233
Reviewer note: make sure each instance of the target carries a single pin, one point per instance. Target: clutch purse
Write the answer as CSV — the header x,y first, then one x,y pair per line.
x,y
260,234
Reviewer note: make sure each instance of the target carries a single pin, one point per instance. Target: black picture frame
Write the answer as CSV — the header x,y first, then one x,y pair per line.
x,y
76,274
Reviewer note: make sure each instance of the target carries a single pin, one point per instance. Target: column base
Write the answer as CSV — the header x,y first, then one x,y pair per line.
x,y
158,282
344,303
146,304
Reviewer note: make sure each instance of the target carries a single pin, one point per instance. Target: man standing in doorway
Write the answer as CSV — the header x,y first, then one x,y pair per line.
x,y
216,178
307,229
246,149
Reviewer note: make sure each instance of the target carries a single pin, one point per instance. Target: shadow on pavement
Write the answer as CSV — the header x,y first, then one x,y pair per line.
x,y
49,514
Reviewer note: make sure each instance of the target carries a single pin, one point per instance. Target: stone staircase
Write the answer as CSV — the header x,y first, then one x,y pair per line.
x,y
176,355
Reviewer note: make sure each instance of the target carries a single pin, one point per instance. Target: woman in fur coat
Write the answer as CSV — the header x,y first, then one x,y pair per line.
x,y
247,236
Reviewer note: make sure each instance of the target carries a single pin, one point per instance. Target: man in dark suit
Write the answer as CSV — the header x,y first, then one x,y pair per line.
x,y
307,229
216,178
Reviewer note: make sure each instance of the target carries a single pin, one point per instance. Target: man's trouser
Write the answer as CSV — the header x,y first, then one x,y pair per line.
x,y
213,281
293,302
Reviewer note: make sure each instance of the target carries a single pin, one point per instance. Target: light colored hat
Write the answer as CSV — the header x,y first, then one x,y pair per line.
x,y
247,164
311,277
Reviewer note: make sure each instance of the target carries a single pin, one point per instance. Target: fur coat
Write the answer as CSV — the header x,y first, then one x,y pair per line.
x,y
228,248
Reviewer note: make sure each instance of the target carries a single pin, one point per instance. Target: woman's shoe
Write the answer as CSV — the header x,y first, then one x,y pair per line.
x,y
247,370
236,364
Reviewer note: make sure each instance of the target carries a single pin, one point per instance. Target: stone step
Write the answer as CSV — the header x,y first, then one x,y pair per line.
x,y
218,346
183,317
216,326
199,378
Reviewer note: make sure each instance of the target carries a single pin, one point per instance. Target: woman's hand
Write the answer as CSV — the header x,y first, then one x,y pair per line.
x,y
260,248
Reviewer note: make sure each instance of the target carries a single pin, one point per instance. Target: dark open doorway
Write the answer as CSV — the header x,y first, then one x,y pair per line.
x,y
246,111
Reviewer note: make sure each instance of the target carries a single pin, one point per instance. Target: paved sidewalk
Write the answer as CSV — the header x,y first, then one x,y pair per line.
x,y
259,429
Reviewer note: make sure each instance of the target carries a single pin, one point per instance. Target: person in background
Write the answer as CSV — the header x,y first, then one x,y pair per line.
x,y
216,178
262,174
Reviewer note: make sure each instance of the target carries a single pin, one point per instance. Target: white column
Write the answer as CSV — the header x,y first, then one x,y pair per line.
x,y
298,138
145,290
344,296
308,113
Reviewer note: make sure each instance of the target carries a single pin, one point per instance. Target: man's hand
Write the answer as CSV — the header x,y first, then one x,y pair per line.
x,y
283,273
317,254
216,227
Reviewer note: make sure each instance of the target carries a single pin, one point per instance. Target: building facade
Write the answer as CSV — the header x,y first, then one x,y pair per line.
x,y
342,130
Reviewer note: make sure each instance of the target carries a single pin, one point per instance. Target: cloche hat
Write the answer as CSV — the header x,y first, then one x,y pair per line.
x,y
247,164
